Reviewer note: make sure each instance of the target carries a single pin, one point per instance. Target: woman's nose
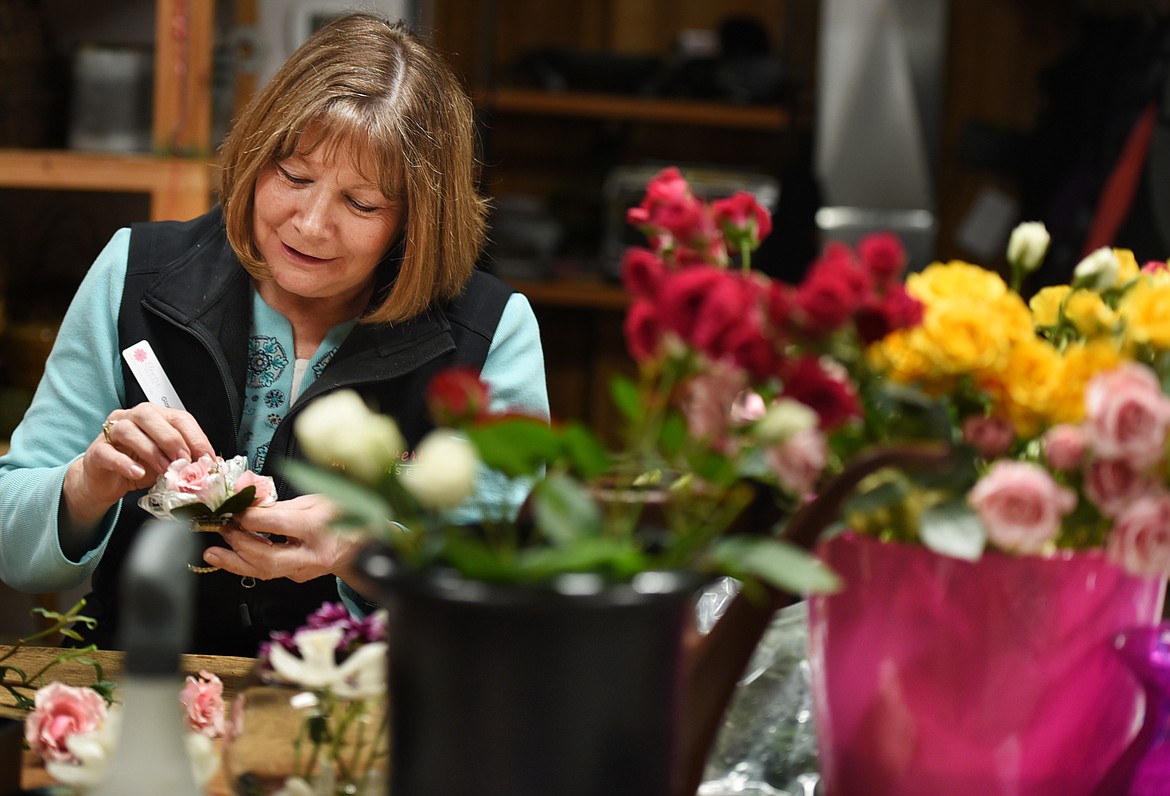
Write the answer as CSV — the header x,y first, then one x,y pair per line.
x,y
312,217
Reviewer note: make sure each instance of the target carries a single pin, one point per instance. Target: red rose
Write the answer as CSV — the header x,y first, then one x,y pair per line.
x,y
743,220
722,308
642,272
878,317
882,257
749,349
456,395
833,399
643,331
825,303
683,295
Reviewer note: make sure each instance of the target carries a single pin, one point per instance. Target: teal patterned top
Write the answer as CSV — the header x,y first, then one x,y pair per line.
x,y
275,376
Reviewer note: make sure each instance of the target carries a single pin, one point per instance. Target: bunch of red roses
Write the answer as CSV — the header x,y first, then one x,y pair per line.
x,y
732,341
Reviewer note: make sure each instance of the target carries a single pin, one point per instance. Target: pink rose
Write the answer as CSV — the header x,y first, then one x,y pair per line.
x,y
1020,506
992,435
799,461
202,697
201,479
1112,484
265,487
708,401
60,712
1127,415
1140,539
1064,446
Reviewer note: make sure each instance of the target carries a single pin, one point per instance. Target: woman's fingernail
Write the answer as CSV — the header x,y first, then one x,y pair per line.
x,y
136,471
211,558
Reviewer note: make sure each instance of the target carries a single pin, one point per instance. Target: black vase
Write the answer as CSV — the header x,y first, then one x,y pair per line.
x,y
572,689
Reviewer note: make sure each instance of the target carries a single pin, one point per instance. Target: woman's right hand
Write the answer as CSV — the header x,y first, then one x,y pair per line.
x,y
133,447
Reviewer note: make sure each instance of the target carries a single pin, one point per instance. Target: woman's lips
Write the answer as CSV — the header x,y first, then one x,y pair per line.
x,y
294,254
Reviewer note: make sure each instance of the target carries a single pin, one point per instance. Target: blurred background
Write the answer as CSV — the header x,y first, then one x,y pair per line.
x,y
946,121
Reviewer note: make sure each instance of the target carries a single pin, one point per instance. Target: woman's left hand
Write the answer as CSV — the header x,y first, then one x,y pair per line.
x,y
312,548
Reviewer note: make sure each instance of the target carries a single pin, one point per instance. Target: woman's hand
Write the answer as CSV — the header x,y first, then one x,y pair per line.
x,y
312,548
133,447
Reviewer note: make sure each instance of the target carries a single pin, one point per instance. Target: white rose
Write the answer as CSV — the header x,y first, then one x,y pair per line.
x,y
442,474
785,419
340,429
1098,271
1028,245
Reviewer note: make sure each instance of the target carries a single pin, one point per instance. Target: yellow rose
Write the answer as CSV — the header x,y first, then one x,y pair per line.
x,y
1127,265
962,337
901,357
1089,313
1030,379
955,279
1144,310
1045,305
1011,316
1079,364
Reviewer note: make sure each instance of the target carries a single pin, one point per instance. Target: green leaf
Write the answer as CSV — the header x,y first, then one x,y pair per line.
x,y
191,511
564,511
237,502
359,504
953,529
673,434
475,559
627,398
585,450
778,563
911,414
516,445
598,554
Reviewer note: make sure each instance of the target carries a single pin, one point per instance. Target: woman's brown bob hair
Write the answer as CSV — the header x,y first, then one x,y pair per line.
x,y
384,98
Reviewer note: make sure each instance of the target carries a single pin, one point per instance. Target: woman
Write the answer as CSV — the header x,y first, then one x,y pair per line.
x,y
341,256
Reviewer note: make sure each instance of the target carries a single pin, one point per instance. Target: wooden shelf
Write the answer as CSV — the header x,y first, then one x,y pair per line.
x,y
573,293
179,188
616,107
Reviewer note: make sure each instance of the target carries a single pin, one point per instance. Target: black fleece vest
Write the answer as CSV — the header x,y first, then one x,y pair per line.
x,y
189,296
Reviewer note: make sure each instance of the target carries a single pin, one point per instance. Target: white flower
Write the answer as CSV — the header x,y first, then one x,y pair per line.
x,y
204,759
1098,271
340,429
784,419
442,474
360,675
1028,245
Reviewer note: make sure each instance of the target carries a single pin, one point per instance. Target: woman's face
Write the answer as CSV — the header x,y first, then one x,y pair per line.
x,y
322,229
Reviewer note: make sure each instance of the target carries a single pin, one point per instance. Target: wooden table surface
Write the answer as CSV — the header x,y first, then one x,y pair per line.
x,y
30,659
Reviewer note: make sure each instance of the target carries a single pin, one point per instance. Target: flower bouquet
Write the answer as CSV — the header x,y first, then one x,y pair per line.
x,y
972,648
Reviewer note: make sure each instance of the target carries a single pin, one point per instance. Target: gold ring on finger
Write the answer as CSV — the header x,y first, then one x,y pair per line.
x,y
106,427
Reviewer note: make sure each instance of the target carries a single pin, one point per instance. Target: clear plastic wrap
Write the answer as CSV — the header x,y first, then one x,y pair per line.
x,y
767,744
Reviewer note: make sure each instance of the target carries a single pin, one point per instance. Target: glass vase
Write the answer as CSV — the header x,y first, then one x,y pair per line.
x,y
276,731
